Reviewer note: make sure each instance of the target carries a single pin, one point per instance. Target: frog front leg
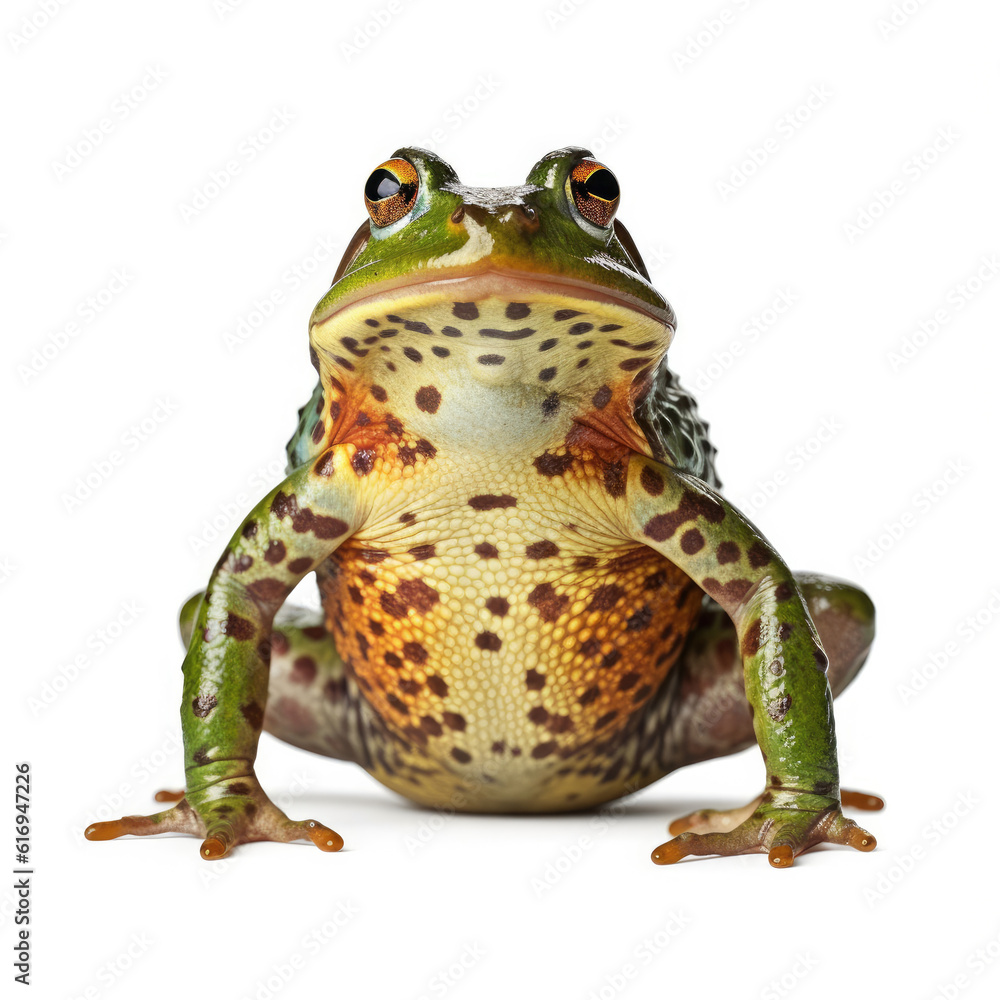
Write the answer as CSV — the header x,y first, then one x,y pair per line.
x,y
290,532
784,666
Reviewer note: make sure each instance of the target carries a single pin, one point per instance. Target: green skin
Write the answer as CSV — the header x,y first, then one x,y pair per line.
x,y
665,506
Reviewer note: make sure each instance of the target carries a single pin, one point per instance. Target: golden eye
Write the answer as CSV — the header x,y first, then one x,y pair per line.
x,y
595,191
391,191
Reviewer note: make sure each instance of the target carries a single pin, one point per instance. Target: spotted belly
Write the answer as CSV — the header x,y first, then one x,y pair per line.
x,y
504,670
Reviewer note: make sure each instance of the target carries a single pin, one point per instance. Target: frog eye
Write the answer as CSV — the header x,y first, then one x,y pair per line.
x,y
391,191
595,192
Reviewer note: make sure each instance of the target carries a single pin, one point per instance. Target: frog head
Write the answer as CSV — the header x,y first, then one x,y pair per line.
x,y
530,290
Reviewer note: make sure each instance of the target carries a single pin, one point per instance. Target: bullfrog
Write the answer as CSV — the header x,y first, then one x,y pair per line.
x,y
535,597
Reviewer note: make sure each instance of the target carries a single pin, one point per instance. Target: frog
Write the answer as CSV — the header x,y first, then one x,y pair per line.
x,y
535,597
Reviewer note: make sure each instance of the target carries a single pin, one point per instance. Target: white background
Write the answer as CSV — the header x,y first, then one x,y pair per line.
x,y
812,411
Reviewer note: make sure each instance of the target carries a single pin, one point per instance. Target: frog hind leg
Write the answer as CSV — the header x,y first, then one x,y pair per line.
x,y
712,717
313,701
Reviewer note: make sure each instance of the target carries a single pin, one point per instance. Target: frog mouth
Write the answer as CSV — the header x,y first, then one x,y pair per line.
x,y
516,287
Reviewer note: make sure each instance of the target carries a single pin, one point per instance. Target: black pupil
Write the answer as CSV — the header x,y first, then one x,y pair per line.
x,y
602,184
382,184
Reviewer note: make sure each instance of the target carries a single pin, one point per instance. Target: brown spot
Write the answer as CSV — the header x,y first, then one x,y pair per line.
x,y
785,631
605,719
486,551
254,715
303,670
299,565
726,593
547,374
417,595
279,643
267,591
204,704
778,708
488,641
237,628
541,550
454,721
538,715
533,680
591,647
363,461
753,638
498,606
602,397
249,529
413,354
397,703
465,310
692,541
238,788
727,552
610,659
428,399
630,364
498,746
628,681
379,393
462,756
517,310
409,686
393,660
641,694
783,591
651,481
242,564
430,725
201,756
614,478
544,749
491,501
640,620
438,685
691,506
422,552
590,695
415,652
553,465
324,467
606,597
759,555
561,314
275,552
550,405
550,605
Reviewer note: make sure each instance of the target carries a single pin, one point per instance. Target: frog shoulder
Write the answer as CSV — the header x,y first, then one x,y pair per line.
x,y
301,445
677,436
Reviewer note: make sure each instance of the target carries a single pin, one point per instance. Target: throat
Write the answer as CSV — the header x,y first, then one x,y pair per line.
x,y
526,363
